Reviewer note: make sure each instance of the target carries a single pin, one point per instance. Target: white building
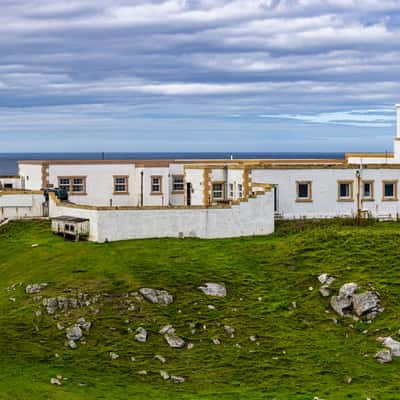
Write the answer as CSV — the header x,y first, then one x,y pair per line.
x,y
364,184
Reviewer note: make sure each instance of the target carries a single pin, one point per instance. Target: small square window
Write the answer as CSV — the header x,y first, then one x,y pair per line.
x,y
218,191
177,183
367,190
231,194
156,184
389,190
120,184
304,191
345,191
240,191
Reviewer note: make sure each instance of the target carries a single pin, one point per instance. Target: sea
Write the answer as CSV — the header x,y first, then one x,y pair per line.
x,y
8,161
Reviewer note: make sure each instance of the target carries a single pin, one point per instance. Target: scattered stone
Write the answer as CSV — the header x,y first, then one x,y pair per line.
x,y
12,299
35,245
238,345
55,381
190,346
35,287
348,289
177,379
82,323
392,345
74,333
252,338
383,356
72,344
173,340
156,296
216,341
310,288
142,372
133,359
211,307
164,375
213,289
165,329
325,291
38,313
229,330
113,356
323,278
259,299
141,335
160,358
294,304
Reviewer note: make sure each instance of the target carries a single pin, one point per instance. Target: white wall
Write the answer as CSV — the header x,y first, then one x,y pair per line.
x,y
31,175
254,217
17,206
325,191
9,180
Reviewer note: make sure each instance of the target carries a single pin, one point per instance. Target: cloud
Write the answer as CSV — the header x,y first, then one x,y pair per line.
x,y
311,62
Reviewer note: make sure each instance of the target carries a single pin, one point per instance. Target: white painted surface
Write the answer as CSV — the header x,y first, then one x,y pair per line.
x,y
13,181
31,175
254,217
21,206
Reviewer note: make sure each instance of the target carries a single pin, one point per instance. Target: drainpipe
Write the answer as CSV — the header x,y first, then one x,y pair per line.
x,y
358,175
226,182
141,188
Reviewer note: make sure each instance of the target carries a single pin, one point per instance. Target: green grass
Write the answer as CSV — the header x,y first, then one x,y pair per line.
x,y
301,352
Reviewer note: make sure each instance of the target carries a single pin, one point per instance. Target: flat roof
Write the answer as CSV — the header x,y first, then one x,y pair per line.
x,y
67,218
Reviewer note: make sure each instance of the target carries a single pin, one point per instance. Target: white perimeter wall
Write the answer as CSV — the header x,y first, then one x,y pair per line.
x,y
254,217
17,206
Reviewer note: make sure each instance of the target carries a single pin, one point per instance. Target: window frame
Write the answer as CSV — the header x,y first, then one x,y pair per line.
x,y
71,185
240,191
231,191
222,183
178,191
115,184
394,182
371,197
307,199
159,192
351,190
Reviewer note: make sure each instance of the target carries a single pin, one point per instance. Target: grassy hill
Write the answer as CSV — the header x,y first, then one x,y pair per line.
x,y
299,352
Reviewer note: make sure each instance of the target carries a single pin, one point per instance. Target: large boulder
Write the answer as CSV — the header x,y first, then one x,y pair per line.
x,y
342,305
384,356
156,296
392,345
366,302
213,289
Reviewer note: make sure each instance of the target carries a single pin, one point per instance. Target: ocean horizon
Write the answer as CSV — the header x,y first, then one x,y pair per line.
x,y
9,166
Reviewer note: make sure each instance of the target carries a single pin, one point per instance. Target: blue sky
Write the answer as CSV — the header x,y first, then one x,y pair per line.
x,y
205,75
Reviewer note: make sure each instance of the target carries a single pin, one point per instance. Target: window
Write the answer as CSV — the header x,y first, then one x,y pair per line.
x,y
389,190
367,190
8,186
120,185
156,187
303,191
177,183
240,191
218,191
345,190
231,196
73,184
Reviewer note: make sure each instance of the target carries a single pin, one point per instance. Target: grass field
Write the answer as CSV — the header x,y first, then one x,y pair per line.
x,y
301,352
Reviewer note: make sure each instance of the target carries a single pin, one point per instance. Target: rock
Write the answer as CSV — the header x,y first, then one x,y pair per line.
x,y
35,245
141,335
72,344
166,328
348,289
294,304
229,330
113,356
173,340
383,356
82,323
211,307
164,375
35,287
216,341
177,379
13,299
155,296
323,278
213,289
252,338
365,302
160,358
142,372
133,359
51,305
74,333
55,381
329,281
325,291
190,346
392,345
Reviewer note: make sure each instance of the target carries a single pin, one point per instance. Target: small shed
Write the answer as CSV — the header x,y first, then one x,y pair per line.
x,y
71,226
